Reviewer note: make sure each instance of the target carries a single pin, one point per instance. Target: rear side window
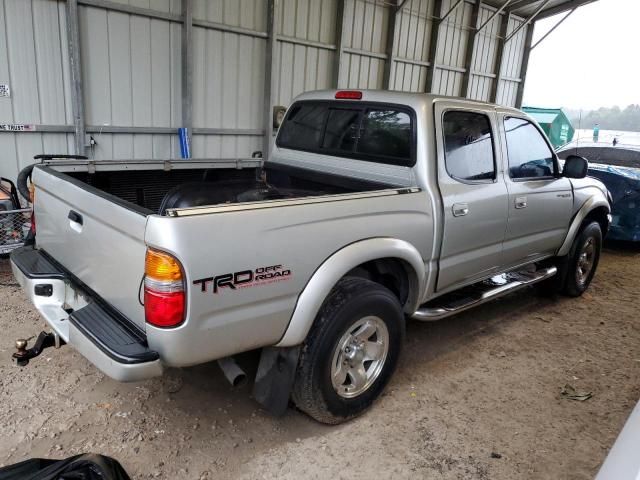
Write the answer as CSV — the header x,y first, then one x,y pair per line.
x,y
529,155
371,132
468,144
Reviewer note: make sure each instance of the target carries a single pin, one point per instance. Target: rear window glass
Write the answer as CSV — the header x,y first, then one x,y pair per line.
x,y
363,131
342,130
387,133
304,126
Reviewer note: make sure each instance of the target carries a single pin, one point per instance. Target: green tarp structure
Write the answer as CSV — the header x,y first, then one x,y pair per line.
x,y
554,123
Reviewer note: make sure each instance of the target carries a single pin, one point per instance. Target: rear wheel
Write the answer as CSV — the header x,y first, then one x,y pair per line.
x,y
350,352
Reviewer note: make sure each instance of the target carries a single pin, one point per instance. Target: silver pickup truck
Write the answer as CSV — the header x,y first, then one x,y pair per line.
x,y
373,208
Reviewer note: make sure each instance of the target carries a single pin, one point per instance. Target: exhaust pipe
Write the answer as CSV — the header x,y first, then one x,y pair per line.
x,y
232,371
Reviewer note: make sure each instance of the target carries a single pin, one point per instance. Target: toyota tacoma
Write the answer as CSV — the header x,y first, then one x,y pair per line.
x,y
373,208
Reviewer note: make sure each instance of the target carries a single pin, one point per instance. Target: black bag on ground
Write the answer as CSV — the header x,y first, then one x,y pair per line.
x,y
88,466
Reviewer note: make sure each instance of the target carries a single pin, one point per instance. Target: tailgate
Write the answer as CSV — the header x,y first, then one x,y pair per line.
x,y
96,237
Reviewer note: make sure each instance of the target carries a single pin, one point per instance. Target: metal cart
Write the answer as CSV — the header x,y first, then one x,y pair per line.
x,y
15,221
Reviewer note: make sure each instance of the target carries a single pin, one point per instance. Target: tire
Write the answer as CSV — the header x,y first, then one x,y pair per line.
x,y
582,260
356,314
22,182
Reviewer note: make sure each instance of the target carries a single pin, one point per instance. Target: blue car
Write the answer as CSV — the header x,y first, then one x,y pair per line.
x,y
619,169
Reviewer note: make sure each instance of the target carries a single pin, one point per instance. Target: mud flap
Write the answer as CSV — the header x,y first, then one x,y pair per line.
x,y
275,376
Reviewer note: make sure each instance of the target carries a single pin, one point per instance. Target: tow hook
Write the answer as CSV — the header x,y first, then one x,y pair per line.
x,y
44,340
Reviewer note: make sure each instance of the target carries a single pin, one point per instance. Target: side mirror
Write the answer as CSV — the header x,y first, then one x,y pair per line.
x,y
575,167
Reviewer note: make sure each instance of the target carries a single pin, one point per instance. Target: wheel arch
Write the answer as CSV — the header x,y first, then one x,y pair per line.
x,y
600,215
378,257
595,208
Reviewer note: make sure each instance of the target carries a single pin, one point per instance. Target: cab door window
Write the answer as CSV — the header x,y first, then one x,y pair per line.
x,y
529,154
468,146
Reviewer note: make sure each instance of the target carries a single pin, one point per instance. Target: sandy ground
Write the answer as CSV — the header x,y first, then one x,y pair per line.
x,y
477,396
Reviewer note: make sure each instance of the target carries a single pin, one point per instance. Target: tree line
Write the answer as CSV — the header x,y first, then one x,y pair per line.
x,y
613,118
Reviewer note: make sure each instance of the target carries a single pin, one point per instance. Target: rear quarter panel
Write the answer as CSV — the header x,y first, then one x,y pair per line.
x,y
298,237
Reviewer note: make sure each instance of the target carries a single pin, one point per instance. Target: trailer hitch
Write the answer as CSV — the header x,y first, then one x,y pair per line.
x,y
44,340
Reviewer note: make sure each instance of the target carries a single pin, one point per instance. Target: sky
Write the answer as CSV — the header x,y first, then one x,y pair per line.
x,y
591,60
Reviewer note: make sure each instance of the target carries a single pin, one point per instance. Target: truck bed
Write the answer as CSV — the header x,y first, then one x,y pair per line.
x,y
156,191
93,217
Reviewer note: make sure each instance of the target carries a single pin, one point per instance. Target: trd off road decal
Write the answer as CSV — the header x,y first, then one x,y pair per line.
x,y
244,278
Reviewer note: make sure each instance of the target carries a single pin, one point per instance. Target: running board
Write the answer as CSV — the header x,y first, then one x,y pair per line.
x,y
480,293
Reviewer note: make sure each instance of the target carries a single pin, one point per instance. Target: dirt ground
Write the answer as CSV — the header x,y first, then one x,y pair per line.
x,y
477,396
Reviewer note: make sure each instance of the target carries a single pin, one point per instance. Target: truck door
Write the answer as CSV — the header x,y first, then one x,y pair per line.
x,y
540,201
474,194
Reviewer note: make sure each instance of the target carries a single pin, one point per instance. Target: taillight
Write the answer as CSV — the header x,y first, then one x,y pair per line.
x,y
164,296
349,95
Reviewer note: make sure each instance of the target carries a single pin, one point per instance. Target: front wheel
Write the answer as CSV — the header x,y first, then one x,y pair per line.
x,y
350,352
583,260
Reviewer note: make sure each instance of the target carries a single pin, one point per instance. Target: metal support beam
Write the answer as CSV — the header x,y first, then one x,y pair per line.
x,y
502,35
365,53
433,44
493,15
187,66
471,46
563,7
451,10
389,47
107,129
306,43
124,8
77,95
400,5
340,29
553,28
524,66
269,68
228,28
527,21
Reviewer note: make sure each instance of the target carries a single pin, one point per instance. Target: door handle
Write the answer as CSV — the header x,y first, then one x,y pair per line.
x,y
460,209
75,217
75,221
521,202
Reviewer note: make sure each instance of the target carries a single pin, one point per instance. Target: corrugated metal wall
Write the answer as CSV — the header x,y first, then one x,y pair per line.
x,y
484,56
365,40
34,63
131,57
511,64
131,76
306,32
411,46
228,82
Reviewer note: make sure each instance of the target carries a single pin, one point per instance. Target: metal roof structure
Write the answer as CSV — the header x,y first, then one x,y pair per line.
x,y
115,79
527,8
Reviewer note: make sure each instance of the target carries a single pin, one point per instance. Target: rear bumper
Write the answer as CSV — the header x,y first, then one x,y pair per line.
x,y
103,336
